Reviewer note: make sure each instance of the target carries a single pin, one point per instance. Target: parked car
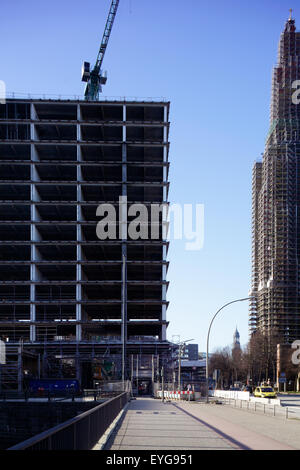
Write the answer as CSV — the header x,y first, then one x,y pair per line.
x,y
264,392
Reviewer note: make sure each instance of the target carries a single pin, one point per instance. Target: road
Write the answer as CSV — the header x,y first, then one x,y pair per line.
x,y
290,399
149,424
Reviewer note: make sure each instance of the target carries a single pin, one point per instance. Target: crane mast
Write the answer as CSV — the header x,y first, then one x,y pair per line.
x,y
96,78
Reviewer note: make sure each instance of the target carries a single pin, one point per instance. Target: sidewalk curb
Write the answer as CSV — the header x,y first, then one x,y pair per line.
x,y
105,437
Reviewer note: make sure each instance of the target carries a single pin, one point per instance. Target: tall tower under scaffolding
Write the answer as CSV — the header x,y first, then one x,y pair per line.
x,y
276,203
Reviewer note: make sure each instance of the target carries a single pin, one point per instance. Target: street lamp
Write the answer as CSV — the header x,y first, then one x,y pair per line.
x,y
179,360
207,342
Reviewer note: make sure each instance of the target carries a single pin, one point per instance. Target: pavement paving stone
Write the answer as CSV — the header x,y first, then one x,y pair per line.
x,y
256,431
149,424
152,425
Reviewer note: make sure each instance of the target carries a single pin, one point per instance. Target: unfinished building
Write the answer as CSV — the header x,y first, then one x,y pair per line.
x,y
275,310
71,299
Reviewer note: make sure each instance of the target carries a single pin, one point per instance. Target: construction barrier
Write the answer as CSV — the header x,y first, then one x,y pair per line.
x,y
236,395
266,401
188,395
245,396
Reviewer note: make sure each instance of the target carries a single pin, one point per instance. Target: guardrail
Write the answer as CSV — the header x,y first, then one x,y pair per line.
x,y
107,391
57,97
12,395
261,407
95,394
79,433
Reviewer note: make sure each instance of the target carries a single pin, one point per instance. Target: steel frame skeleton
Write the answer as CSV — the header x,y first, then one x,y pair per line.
x,y
62,290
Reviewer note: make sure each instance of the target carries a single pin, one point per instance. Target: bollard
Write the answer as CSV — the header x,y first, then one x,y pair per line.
x,y
286,413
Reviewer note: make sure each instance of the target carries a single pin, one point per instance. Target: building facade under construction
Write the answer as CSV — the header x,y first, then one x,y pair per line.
x,y
71,304
275,309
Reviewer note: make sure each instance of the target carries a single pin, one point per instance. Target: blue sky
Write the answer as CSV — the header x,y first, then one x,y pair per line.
x,y
213,61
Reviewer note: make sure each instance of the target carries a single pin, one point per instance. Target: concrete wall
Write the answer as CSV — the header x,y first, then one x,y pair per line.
x,y
230,394
235,395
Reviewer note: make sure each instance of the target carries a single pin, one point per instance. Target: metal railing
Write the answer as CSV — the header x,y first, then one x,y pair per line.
x,y
57,97
79,433
49,395
262,408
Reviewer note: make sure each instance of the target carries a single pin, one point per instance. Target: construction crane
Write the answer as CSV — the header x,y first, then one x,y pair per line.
x,y
96,78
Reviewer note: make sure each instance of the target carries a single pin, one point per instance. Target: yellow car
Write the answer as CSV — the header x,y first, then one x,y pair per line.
x,y
264,392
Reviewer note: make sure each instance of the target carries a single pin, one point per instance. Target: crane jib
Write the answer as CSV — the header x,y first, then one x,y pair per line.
x,y
107,31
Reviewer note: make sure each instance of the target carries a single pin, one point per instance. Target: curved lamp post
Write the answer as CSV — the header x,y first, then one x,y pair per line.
x,y
208,333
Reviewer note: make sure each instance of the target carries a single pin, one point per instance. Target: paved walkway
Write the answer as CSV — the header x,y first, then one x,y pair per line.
x,y
256,431
149,424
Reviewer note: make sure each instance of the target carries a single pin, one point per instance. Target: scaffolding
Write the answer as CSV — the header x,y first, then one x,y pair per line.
x,y
275,309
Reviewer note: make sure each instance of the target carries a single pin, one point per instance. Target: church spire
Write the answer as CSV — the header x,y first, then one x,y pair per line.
x,y
236,339
290,24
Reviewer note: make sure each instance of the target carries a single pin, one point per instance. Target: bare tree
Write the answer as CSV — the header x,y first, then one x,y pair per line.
x,y
222,360
257,361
